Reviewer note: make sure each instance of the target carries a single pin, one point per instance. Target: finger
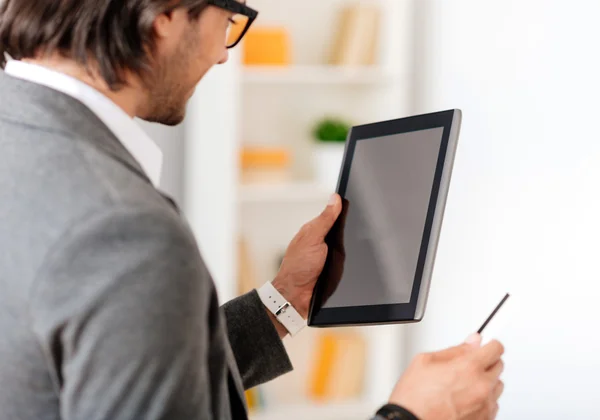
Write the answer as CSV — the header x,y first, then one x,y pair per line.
x,y
498,390
488,355
494,411
474,340
495,371
339,233
323,223
451,353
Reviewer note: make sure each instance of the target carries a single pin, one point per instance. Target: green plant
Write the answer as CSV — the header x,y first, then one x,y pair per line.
x,y
331,129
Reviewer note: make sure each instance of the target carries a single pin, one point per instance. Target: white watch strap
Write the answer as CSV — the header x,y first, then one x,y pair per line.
x,y
281,308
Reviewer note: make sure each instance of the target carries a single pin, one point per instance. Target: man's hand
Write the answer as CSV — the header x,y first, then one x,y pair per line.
x,y
460,383
305,258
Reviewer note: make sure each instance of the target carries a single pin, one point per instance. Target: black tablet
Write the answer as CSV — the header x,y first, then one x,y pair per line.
x,y
381,251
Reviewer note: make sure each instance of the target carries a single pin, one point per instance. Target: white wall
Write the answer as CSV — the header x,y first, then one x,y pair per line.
x,y
211,172
523,213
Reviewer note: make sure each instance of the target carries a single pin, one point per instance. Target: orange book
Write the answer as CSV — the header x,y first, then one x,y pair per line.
x,y
253,400
267,46
338,373
326,350
246,274
252,157
264,165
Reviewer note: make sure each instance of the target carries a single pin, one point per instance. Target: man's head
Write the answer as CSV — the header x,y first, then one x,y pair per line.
x,y
159,48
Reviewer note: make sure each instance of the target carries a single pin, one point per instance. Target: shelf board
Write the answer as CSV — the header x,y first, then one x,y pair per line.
x,y
358,410
293,192
330,75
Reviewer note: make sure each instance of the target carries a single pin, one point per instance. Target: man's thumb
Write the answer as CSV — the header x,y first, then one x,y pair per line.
x,y
324,222
474,340
450,353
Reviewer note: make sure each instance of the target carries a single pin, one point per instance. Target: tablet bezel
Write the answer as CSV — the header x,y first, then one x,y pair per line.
x,y
413,311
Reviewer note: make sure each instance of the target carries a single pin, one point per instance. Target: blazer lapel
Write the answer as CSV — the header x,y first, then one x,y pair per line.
x,y
53,110
170,201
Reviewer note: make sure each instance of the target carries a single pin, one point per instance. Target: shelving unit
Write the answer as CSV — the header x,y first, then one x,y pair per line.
x,y
295,192
353,410
317,75
277,106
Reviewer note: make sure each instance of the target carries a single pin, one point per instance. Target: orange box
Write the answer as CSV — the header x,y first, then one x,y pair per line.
x,y
264,165
262,157
267,46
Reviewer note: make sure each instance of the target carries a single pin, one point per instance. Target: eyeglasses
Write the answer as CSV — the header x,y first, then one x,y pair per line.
x,y
240,22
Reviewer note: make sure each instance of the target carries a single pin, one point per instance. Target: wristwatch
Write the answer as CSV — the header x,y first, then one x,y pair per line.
x,y
281,308
394,412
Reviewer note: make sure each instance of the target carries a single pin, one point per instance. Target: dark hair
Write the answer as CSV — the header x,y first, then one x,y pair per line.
x,y
117,34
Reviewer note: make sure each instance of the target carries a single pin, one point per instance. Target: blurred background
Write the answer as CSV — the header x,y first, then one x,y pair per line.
x,y
259,153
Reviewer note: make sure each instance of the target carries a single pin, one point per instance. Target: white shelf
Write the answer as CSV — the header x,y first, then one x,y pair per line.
x,y
348,411
328,75
278,106
284,192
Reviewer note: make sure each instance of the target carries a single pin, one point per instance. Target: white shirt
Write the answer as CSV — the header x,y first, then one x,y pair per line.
x,y
127,131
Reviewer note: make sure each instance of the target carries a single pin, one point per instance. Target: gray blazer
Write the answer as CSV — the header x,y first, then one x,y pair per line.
x,y
107,311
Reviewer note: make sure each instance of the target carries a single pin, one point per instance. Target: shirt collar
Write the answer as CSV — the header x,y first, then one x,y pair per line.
x,y
127,131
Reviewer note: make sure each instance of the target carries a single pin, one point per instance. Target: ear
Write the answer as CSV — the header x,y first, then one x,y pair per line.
x,y
169,23
162,24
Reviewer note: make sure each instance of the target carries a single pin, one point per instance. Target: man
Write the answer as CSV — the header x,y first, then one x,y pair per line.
x,y
107,310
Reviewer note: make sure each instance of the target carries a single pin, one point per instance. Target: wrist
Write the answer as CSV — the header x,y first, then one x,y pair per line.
x,y
289,293
281,330
281,311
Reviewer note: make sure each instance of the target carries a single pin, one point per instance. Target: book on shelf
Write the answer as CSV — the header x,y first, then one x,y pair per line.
x,y
338,373
267,46
264,165
255,399
357,37
246,270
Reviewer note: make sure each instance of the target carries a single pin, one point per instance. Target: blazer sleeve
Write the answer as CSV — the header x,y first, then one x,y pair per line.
x,y
121,311
259,352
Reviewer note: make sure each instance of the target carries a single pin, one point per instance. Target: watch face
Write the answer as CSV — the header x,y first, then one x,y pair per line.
x,y
393,412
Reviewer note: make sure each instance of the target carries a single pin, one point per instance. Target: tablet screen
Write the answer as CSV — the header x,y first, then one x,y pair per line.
x,y
385,210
